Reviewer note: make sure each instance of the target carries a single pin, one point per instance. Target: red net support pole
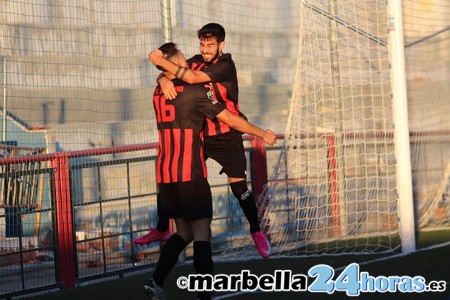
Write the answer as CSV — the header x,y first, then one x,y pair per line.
x,y
259,164
64,221
259,161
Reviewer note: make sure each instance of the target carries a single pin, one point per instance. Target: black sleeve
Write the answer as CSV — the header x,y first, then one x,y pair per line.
x,y
209,108
221,71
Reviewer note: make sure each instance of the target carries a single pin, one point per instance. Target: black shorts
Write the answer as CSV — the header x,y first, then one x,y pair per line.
x,y
190,200
228,150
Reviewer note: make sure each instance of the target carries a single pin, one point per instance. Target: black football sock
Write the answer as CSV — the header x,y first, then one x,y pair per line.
x,y
203,263
168,258
247,203
163,224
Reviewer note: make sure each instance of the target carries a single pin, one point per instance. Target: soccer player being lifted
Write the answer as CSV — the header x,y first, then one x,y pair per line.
x,y
222,143
183,190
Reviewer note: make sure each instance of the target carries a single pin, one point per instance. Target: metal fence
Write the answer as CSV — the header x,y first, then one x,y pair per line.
x,y
81,237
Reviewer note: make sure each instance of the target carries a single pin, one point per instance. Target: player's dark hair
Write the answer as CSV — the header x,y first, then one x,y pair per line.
x,y
212,30
169,50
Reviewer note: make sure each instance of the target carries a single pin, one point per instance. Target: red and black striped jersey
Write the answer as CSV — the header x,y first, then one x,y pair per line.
x,y
180,123
224,78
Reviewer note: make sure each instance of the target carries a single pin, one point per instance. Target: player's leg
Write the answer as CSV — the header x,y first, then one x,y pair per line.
x,y
228,150
248,205
199,212
203,263
169,205
163,224
246,202
163,221
171,251
160,233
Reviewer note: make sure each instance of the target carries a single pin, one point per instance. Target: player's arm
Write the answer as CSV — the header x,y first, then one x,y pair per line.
x,y
190,76
183,73
167,86
242,125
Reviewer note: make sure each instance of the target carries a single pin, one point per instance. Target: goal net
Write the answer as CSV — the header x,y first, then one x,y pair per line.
x,y
333,189
427,59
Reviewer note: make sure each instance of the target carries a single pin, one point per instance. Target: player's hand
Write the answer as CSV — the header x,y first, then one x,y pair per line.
x,y
269,137
156,57
167,88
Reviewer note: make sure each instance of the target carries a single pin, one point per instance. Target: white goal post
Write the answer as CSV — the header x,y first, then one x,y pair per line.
x,y
401,128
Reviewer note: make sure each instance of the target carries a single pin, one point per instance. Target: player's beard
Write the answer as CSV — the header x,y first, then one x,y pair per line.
x,y
212,58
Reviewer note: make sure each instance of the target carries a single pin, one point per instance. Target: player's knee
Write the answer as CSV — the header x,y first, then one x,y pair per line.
x,y
201,229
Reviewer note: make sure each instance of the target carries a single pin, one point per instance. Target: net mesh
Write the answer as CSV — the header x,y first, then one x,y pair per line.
x,y
333,188
427,56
